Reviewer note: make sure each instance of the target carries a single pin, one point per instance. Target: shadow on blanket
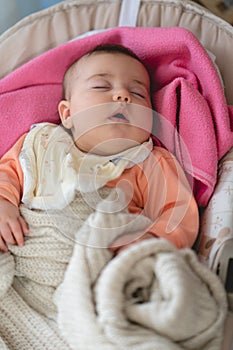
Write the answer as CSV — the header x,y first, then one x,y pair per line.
x,y
66,291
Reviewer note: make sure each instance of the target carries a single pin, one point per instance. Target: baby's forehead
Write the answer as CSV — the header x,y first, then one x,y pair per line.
x,y
85,60
95,55
91,65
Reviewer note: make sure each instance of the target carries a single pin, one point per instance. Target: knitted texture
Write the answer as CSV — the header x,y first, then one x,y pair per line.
x,y
31,274
21,328
41,263
68,291
151,296
7,272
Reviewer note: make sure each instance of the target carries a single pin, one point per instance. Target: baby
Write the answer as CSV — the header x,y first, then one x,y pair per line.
x,y
107,108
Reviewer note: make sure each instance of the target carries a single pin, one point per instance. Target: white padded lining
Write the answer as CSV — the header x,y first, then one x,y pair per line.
x,y
129,13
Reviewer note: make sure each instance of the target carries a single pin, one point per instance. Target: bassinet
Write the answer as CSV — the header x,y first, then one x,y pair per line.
x,y
65,21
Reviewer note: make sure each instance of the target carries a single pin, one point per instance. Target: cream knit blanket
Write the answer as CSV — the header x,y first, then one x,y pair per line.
x,y
151,296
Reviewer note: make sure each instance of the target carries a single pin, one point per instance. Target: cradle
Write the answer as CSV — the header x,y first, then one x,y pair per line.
x,y
67,20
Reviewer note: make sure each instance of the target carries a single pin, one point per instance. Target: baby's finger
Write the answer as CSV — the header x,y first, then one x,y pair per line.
x,y
3,246
17,232
24,225
6,234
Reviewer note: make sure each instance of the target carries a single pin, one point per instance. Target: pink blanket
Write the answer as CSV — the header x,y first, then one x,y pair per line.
x,y
193,121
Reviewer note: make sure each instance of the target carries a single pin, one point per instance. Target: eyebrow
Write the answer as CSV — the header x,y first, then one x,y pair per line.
x,y
99,75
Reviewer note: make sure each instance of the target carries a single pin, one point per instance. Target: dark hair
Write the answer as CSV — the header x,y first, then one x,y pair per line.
x,y
114,48
108,48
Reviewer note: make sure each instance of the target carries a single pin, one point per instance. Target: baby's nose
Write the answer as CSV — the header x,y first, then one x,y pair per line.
x,y
122,96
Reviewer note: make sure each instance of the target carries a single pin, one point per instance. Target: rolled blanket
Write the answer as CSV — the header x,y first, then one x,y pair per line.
x,y
63,289
150,296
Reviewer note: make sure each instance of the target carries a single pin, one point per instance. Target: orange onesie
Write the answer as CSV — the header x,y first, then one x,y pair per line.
x,y
156,187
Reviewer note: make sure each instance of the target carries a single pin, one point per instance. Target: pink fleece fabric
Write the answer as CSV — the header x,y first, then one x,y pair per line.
x,y
193,120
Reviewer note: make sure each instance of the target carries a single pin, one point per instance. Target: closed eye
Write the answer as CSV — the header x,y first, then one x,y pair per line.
x,y
101,87
138,94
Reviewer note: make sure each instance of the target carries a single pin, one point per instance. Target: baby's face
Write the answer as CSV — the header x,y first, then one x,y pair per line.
x,y
110,106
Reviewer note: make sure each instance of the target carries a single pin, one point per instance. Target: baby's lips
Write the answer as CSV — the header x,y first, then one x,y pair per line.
x,y
118,117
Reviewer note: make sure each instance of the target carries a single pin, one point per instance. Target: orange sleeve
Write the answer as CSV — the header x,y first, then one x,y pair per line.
x,y
170,203
163,194
11,175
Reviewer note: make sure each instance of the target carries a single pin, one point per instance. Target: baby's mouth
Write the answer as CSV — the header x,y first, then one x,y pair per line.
x,y
118,118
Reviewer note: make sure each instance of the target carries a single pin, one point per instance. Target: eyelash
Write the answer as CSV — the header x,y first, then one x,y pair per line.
x,y
107,87
138,94
100,87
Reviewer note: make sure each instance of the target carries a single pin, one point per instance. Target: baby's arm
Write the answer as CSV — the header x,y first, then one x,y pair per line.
x,y
168,201
12,225
178,216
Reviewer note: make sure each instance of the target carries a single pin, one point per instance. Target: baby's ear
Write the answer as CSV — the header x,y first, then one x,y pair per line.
x,y
64,112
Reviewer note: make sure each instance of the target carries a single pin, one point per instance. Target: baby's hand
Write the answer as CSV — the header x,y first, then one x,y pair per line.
x,y
12,225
